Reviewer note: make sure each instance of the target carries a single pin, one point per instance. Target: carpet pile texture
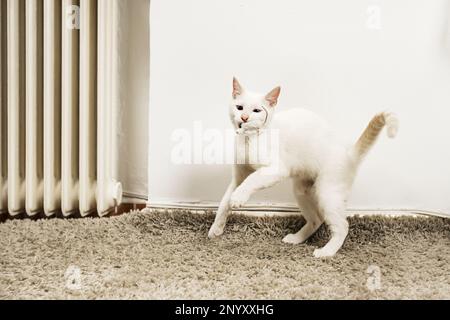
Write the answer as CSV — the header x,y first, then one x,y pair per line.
x,y
167,255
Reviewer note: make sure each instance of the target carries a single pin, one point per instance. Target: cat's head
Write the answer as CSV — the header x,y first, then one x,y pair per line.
x,y
251,111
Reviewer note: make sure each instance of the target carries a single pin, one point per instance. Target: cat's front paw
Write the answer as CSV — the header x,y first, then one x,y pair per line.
x,y
215,231
238,199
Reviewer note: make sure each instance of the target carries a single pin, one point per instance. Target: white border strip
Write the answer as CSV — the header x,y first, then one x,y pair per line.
x,y
284,210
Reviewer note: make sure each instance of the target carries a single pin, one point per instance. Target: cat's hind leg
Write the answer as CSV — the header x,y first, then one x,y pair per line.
x,y
331,204
310,213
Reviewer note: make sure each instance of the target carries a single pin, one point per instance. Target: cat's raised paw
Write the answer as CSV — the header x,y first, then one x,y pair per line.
x,y
292,239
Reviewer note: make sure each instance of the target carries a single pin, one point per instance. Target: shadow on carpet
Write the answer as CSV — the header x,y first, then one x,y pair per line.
x,y
158,255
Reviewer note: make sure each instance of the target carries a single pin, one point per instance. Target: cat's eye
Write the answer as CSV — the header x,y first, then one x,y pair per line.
x,y
240,108
256,110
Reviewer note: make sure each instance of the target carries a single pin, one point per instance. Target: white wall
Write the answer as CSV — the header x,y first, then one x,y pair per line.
x,y
325,58
133,124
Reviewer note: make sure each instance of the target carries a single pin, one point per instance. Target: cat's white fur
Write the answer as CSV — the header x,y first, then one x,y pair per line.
x,y
321,166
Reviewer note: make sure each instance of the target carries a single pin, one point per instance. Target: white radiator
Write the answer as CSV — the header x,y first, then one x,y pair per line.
x,y
59,81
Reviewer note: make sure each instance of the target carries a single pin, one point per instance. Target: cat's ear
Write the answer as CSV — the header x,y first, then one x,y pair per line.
x,y
237,88
272,96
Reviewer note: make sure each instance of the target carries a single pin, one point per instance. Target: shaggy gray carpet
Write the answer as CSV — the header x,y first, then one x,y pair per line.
x,y
167,255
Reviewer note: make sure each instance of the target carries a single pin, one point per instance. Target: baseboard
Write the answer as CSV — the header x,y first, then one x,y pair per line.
x,y
264,209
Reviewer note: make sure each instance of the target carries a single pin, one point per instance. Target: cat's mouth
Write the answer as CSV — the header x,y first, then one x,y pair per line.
x,y
240,125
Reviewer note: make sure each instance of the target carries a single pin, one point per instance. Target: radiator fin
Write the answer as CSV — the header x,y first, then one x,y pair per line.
x,y
70,108
16,105
88,102
52,106
34,106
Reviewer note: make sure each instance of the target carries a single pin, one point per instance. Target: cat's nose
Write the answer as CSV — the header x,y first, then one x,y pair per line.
x,y
244,117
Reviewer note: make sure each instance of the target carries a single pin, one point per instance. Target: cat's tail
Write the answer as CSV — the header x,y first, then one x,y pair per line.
x,y
370,135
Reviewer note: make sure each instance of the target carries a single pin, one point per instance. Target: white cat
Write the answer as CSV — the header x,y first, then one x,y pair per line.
x,y
321,167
